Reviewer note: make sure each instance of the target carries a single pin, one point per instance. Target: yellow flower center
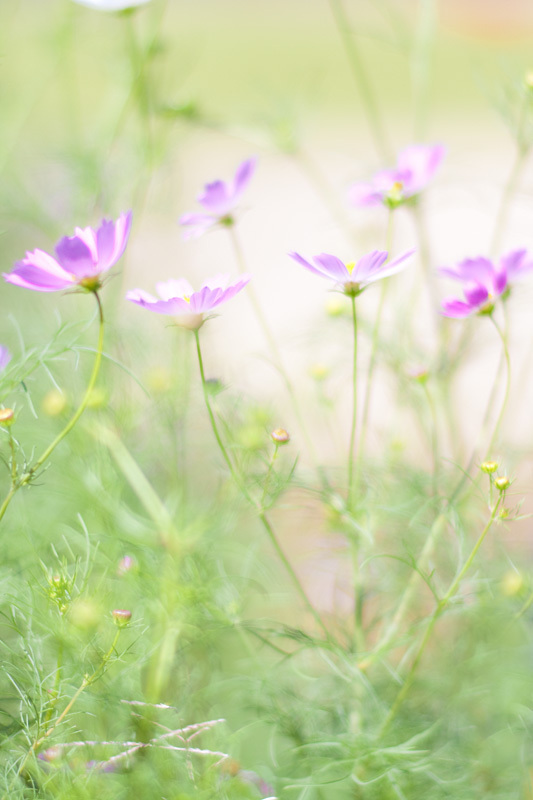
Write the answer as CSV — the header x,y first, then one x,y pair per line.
x,y
187,299
350,267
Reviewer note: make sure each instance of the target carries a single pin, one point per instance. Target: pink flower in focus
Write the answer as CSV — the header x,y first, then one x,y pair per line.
x,y
219,199
415,168
79,260
484,281
178,298
353,277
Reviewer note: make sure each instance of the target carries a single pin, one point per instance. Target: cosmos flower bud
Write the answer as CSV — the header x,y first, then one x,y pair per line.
x,y
121,617
280,436
418,373
528,80
512,583
319,372
7,416
502,483
126,564
488,467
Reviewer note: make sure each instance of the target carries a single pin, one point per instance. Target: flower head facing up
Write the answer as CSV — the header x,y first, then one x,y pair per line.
x,y
219,200
414,169
484,281
178,298
79,259
354,277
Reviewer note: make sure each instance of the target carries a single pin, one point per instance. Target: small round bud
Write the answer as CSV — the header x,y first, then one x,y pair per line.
x,y
528,79
159,380
7,416
98,398
51,754
280,436
418,373
504,513
121,617
489,467
512,583
502,483
319,371
54,403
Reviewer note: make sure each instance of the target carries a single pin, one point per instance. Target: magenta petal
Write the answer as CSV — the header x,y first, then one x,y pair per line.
x,y
297,257
5,357
332,267
30,276
364,194
216,197
456,308
75,257
243,175
396,265
476,295
516,263
368,265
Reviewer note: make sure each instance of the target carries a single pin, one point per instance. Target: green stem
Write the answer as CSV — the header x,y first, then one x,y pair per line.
x,y
505,400
361,79
244,491
88,679
27,476
434,435
351,486
440,608
276,355
269,473
408,596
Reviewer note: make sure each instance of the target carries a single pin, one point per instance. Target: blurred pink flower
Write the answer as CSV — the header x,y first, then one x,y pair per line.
x,y
5,357
179,298
220,199
79,261
415,168
112,5
484,281
353,277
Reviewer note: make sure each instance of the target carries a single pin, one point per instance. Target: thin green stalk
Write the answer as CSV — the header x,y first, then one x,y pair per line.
x,y
275,352
269,473
244,491
88,679
434,435
421,64
408,596
440,608
27,476
487,415
374,352
356,65
351,448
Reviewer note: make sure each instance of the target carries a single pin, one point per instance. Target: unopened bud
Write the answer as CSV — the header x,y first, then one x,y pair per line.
x,y
489,467
280,436
125,565
502,483
335,306
418,373
528,79
7,415
121,617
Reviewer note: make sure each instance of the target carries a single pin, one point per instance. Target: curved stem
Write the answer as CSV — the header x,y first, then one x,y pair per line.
x,y
440,608
505,400
351,486
433,421
361,79
27,476
242,488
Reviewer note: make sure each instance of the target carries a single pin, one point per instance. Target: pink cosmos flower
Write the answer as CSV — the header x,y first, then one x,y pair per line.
x,y
5,357
79,261
484,281
353,277
179,298
415,168
219,199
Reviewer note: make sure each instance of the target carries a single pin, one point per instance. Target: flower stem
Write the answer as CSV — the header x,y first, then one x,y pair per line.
x,y
361,79
505,400
244,491
87,680
27,476
440,608
276,355
351,486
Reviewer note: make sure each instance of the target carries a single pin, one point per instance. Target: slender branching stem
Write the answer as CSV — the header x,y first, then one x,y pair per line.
x,y
439,610
29,474
361,79
246,494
